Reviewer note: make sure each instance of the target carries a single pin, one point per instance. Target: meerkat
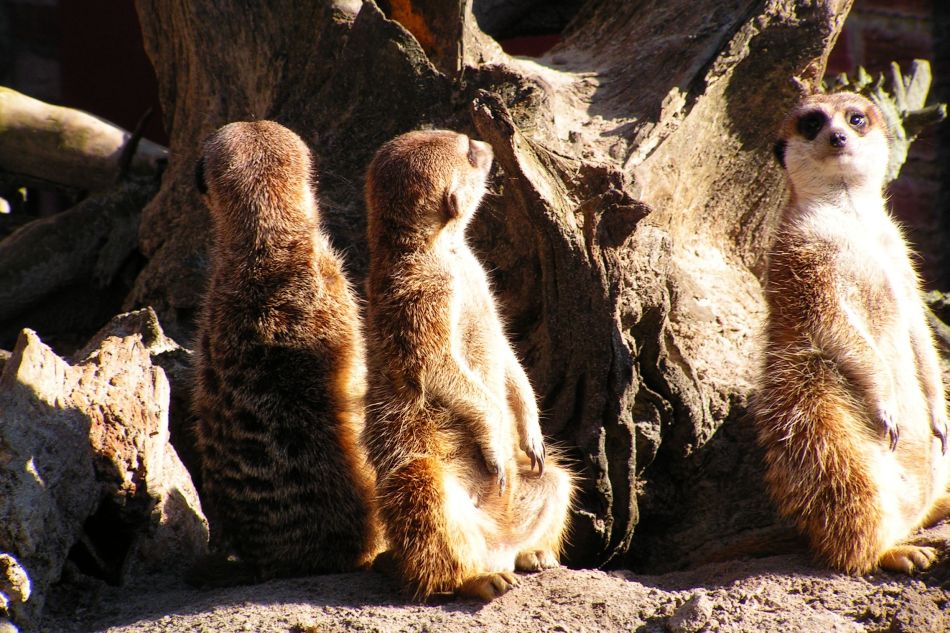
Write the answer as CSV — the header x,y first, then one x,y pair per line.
x,y
851,411
467,492
280,370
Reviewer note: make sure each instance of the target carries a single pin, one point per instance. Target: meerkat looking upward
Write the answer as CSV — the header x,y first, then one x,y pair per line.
x,y
452,423
851,409
280,372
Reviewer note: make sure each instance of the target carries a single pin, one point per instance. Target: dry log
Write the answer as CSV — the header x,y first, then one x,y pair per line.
x,y
67,147
65,275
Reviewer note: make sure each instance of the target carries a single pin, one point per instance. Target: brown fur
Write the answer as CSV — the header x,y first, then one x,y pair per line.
x,y
280,374
449,404
851,408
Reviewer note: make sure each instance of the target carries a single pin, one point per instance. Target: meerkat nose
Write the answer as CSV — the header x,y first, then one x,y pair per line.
x,y
838,139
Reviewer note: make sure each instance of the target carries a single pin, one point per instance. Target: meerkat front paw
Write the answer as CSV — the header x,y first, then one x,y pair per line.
x,y
536,560
488,586
885,417
938,424
496,458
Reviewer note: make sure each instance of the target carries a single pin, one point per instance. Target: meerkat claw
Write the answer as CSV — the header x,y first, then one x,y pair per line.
x,y
942,434
537,460
533,446
495,467
893,431
938,425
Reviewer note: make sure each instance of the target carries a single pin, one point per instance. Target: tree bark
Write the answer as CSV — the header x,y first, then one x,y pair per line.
x,y
626,230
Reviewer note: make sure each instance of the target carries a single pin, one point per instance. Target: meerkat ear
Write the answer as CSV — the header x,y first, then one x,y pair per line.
x,y
200,183
779,150
453,206
452,202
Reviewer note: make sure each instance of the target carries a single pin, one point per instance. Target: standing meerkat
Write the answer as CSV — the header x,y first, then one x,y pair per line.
x,y
452,423
851,410
280,370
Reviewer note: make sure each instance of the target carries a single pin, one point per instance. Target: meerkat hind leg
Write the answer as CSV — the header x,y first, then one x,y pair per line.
x,y
939,511
536,560
908,558
543,501
488,586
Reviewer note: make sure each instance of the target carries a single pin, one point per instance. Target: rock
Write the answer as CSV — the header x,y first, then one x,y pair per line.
x,y
47,483
691,616
86,468
921,616
175,360
14,587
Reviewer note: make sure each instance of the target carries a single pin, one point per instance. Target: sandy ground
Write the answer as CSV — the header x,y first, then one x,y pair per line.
x,y
781,593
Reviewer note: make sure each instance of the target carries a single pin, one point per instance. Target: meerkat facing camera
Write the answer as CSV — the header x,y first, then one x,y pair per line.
x,y
851,409
280,370
452,423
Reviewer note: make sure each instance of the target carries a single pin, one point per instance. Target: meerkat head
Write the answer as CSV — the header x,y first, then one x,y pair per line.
x,y
256,176
834,141
423,183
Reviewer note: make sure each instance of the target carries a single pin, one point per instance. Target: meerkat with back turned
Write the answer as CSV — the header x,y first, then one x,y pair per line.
x,y
851,411
452,423
280,370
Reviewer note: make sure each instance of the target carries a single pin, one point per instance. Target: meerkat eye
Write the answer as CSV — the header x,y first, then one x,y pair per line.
x,y
857,120
811,123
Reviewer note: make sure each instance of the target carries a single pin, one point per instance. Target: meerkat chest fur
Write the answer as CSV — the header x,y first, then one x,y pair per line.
x,y
835,151
873,273
476,331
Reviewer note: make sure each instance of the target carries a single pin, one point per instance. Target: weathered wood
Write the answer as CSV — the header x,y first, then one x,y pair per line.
x,y
67,147
65,275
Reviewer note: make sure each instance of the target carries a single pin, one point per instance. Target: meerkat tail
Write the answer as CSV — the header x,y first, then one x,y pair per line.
x,y
814,471
432,527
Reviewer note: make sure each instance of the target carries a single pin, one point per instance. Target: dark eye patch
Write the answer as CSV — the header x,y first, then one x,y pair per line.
x,y
810,124
778,150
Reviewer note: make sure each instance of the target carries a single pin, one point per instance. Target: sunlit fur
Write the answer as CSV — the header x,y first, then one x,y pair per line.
x,y
850,364
280,370
452,424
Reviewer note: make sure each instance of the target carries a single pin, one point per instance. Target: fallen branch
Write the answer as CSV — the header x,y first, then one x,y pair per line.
x,y
67,147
